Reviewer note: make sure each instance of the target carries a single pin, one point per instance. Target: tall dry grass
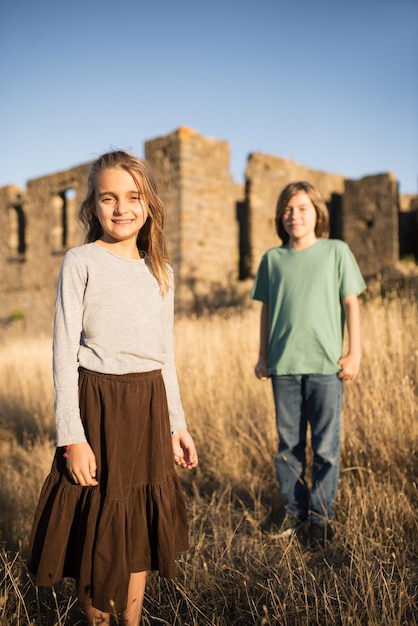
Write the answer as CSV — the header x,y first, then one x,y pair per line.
x,y
236,572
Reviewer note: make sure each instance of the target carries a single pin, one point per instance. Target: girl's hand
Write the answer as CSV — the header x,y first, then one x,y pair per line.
x,y
184,449
81,464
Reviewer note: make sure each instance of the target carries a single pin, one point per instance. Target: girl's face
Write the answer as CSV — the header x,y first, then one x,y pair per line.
x,y
299,220
120,209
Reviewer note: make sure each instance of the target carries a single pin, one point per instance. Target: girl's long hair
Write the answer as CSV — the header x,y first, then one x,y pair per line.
x,y
322,216
151,237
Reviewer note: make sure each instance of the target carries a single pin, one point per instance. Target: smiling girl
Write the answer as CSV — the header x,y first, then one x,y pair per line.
x,y
112,507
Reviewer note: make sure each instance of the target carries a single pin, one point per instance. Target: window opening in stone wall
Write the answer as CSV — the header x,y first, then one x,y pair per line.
x,y
17,223
62,204
244,244
334,205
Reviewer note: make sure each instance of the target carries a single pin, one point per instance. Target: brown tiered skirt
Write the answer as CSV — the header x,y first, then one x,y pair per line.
x,y
135,520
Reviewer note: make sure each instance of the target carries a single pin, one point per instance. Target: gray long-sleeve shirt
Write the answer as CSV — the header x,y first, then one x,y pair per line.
x,y
110,317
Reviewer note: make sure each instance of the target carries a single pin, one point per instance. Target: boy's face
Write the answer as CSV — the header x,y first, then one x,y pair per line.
x,y
299,220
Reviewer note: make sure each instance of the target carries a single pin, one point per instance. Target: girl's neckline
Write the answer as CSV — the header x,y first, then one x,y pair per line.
x,y
120,256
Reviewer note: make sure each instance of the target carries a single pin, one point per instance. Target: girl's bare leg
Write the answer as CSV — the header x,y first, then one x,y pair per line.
x,y
136,590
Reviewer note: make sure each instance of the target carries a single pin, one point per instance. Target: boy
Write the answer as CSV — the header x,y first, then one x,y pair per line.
x,y
309,288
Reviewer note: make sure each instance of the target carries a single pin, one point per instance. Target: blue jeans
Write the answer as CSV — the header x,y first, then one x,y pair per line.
x,y
317,400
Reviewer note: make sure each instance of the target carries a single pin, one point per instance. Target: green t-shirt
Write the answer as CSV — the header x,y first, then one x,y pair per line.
x,y
304,291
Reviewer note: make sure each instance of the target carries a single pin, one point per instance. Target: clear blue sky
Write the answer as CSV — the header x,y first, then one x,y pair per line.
x,y
330,84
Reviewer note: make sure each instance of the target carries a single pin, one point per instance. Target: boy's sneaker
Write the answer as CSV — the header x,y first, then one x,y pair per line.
x,y
290,526
319,535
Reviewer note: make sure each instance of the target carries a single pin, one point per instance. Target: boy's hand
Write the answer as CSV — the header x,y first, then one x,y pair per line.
x,y
184,449
350,366
81,464
261,370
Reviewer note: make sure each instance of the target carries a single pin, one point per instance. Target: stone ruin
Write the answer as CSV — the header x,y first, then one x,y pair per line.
x,y
217,229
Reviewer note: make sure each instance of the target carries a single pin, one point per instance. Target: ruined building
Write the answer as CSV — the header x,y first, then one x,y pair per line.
x,y
217,229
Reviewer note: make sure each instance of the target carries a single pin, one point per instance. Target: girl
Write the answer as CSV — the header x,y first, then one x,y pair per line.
x,y
308,287
112,506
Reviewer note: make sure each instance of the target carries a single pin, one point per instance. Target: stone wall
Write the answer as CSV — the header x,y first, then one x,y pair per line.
x,y
371,221
217,229
200,196
40,226
13,247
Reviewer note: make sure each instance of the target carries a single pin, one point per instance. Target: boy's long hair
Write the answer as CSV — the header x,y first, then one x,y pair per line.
x,y
322,216
151,237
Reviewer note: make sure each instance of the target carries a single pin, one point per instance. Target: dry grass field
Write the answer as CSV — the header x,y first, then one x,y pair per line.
x,y
236,573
